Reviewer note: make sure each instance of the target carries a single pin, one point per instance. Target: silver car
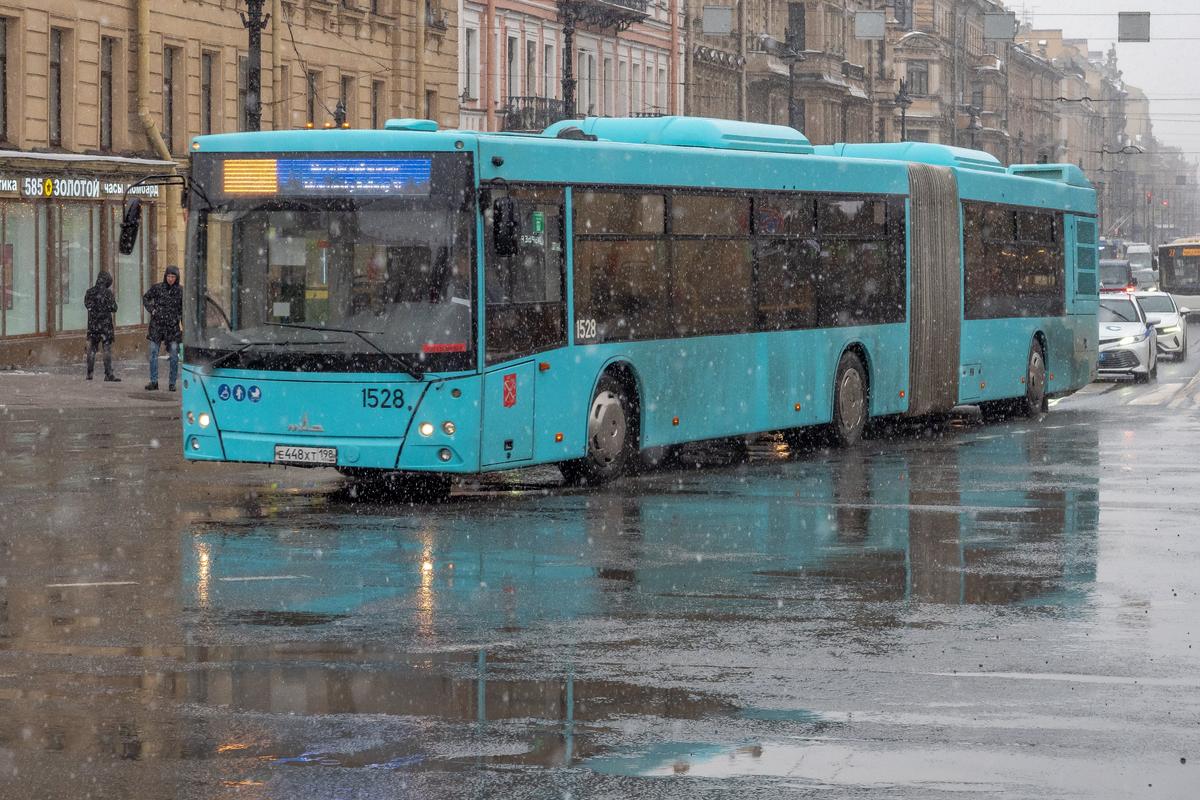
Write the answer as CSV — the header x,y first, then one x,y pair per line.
x,y
1128,343
1169,320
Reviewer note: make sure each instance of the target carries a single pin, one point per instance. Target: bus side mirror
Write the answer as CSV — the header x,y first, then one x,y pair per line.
x,y
506,227
131,222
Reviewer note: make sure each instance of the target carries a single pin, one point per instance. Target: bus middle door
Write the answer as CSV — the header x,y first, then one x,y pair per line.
x,y
524,313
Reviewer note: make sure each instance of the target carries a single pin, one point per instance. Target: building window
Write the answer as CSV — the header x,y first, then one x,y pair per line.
x,y
170,62
622,89
243,91
431,104
512,87
794,36
3,79
548,69
651,101
56,80
531,68
608,86
108,47
378,102
918,77
346,98
313,80
470,85
206,91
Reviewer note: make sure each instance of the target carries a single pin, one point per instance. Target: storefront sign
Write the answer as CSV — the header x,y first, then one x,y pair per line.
x,y
73,188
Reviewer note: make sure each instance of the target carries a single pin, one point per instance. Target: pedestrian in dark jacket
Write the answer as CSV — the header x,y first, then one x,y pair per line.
x,y
164,303
101,304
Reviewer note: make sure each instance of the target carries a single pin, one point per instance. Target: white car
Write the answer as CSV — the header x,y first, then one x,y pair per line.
x,y
1169,320
1128,342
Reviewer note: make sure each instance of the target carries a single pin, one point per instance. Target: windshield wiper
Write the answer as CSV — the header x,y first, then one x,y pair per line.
x,y
405,364
247,345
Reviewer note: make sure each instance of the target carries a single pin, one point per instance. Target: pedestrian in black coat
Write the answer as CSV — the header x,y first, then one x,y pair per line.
x,y
164,303
101,305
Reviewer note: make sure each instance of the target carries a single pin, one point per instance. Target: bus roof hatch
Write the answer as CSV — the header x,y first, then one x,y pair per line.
x,y
721,134
408,124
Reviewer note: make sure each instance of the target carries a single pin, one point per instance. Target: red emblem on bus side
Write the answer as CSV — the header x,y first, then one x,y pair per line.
x,y
510,390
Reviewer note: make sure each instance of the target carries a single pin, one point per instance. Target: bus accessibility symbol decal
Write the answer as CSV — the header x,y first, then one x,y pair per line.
x,y
223,391
510,390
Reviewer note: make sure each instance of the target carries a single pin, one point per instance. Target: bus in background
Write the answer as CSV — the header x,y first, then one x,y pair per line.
x,y
1179,271
418,303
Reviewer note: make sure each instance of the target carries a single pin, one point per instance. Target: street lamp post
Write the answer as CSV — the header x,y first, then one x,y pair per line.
x,y
904,101
254,21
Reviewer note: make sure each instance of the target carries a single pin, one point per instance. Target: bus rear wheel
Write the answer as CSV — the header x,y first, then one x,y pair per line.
x,y
612,435
849,401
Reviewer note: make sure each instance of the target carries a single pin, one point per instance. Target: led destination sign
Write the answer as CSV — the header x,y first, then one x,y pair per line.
x,y
316,177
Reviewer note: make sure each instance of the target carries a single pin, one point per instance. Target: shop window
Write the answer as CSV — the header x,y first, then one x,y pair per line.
x,y
75,230
22,268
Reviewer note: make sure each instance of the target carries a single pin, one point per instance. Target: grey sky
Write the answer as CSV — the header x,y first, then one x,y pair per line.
x,y
1166,69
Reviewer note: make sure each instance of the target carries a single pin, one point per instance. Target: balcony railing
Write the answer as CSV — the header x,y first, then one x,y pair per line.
x,y
532,113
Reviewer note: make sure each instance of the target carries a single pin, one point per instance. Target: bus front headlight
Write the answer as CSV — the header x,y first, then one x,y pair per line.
x,y
204,419
425,429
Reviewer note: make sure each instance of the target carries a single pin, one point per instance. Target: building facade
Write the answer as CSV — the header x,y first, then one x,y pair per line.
x,y
624,56
96,94
794,63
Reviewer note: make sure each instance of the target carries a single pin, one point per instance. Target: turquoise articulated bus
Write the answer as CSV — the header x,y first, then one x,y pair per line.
x,y
422,303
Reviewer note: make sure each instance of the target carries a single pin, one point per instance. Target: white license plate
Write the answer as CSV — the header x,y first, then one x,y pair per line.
x,y
287,454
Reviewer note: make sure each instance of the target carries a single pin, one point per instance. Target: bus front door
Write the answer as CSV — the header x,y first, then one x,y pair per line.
x,y
525,313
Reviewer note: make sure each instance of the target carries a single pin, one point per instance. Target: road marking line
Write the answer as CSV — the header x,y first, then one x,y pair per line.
x,y
1067,677
90,583
263,578
1158,396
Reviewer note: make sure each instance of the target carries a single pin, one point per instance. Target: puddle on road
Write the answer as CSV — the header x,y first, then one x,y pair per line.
x,y
368,709
827,762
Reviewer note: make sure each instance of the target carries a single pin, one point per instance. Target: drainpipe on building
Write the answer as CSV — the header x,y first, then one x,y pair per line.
x,y
173,216
419,54
687,60
485,62
673,61
278,90
741,51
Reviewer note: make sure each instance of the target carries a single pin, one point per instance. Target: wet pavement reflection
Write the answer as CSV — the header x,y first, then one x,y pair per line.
x,y
1001,609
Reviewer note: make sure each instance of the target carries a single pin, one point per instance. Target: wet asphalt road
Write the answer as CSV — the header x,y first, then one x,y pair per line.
x,y
1003,610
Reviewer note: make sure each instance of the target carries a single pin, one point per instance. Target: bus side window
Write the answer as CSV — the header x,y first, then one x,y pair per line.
x,y
526,311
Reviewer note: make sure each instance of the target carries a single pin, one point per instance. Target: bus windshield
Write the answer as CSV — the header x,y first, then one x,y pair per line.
x,y
394,275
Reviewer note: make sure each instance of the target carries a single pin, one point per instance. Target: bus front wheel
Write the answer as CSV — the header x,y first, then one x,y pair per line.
x,y
611,436
849,401
1034,401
